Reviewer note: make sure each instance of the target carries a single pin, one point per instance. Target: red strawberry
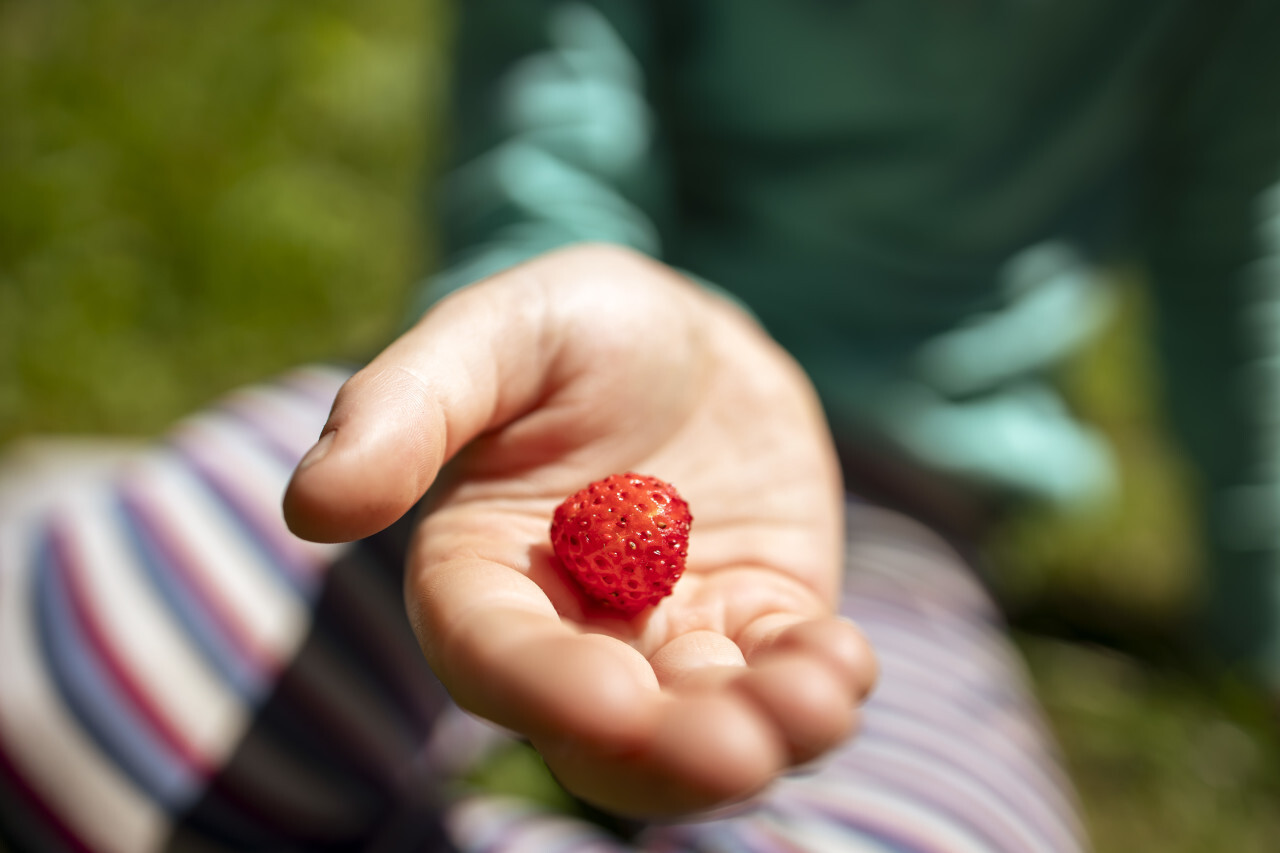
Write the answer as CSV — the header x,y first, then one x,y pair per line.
x,y
624,539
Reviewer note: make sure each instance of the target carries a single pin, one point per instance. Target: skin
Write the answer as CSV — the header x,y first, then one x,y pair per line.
x,y
515,392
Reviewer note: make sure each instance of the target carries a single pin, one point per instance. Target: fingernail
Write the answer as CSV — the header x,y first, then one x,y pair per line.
x,y
318,450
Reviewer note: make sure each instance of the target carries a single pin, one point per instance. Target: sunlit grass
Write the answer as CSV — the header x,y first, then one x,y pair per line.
x,y
1166,753
1163,760
196,195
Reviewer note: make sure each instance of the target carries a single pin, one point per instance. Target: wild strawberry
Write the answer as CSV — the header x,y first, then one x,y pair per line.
x,y
624,539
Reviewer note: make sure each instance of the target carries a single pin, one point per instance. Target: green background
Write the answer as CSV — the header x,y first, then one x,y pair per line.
x,y
194,196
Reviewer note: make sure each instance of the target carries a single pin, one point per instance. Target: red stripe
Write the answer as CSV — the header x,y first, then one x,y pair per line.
x,y
266,522
38,807
71,564
183,560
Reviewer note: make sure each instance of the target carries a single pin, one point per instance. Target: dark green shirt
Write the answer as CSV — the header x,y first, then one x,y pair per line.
x,y
917,197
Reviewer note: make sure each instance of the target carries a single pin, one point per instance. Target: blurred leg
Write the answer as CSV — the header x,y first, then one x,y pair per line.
x,y
952,756
178,672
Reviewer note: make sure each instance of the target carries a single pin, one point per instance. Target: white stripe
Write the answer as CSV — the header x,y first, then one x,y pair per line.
x,y
811,836
215,549
906,679
480,823
1007,723
56,757
866,803
322,379
283,413
944,631
1026,791
959,666
951,788
153,645
554,834
259,479
476,823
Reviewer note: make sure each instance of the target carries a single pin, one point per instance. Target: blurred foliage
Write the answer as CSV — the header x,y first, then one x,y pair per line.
x,y
1162,760
197,195
1165,754
1124,571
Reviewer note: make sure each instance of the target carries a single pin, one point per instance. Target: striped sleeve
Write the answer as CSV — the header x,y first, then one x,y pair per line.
x,y
146,613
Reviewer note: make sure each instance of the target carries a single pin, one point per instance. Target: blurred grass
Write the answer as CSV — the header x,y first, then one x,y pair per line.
x,y
1165,754
1162,760
196,195
193,196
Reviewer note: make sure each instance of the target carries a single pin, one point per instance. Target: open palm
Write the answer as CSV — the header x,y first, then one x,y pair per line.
x,y
583,363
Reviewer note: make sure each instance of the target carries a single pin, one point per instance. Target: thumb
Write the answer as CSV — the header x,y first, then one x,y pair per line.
x,y
474,362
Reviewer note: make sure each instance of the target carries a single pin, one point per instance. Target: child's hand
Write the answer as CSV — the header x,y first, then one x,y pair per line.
x,y
582,363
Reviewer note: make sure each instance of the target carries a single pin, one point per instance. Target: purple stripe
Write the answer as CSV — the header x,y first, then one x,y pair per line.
x,y
250,810
303,689
996,694
317,384
40,822
285,445
213,634
748,832
376,637
997,688
1019,798
252,421
674,839
899,839
299,686
93,695
916,601
369,638
513,834
923,666
739,835
926,621
960,708
260,534
1034,765
906,691
1000,828
497,827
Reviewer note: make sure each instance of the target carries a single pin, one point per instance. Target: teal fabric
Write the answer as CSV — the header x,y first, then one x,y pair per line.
x,y
919,198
